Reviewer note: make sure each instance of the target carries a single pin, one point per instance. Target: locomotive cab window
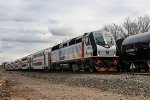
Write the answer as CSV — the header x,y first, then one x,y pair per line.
x,y
99,40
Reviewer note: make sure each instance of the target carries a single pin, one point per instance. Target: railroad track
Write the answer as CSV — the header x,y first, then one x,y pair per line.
x,y
79,72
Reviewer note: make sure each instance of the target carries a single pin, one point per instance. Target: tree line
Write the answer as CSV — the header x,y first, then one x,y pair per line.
x,y
129,27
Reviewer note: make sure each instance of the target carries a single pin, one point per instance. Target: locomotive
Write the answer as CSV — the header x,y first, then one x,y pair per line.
x,y
134,51
91,51
96,49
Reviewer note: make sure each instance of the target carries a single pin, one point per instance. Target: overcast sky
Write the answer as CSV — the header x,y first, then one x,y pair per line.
x,y
27,26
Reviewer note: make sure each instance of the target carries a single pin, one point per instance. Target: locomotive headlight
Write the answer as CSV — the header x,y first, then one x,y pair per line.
x,y
106,46
114,55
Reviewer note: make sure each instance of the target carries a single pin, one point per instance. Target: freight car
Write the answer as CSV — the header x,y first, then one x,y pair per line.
x,y
134,52
91,51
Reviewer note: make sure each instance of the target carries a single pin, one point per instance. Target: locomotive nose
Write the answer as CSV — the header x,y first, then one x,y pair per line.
x,y
102,51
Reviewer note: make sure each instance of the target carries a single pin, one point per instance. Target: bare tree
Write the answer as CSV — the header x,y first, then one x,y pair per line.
x,y
116,30
144,24
136,26
131,27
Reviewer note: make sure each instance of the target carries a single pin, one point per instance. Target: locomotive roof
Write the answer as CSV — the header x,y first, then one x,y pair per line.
x,y
143,37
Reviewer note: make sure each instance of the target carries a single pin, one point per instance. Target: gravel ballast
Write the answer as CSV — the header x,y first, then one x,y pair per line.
x,y
121,83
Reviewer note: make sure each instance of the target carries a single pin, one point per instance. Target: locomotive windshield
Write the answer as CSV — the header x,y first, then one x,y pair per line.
x,y
109,40
104,38
99,40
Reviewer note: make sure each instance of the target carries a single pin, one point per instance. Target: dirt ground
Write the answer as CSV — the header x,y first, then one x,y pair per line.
x,y
21,87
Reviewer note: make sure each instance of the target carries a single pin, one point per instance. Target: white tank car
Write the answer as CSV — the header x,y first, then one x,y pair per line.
x,y
92,50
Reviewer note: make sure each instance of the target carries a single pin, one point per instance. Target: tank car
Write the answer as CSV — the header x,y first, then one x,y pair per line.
x,y
136,51
93,50
121,64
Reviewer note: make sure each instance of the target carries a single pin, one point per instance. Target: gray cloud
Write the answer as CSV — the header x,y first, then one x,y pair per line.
x,y
61,31
15,19
28,38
